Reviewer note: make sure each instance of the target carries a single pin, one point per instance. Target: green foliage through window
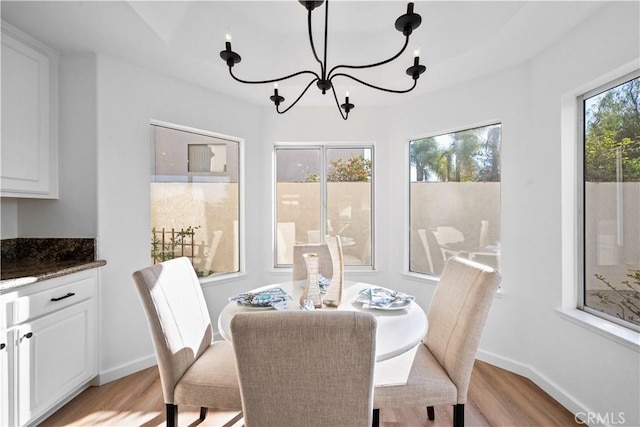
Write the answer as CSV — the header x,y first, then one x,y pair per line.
x,y
471,155
355,168
612,134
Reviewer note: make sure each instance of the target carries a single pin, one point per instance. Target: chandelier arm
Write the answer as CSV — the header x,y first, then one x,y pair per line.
x,y
375,87
273,80
313,47
404,47
338,104
298,98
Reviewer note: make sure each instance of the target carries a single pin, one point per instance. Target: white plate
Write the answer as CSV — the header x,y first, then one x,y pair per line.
x,y
394,306
256,307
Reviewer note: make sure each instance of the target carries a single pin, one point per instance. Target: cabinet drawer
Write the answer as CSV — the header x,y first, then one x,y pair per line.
x,y
32,306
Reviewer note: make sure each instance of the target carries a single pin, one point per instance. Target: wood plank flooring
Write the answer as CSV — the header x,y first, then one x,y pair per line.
x,y
496,398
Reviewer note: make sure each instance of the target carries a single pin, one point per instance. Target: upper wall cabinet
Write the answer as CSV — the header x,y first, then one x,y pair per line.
x,y
29,145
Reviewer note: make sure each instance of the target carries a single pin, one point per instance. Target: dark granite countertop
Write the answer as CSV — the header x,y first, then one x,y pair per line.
x,y
27,260
26,272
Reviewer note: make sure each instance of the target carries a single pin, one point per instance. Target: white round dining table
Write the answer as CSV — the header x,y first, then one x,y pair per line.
x,y
398,330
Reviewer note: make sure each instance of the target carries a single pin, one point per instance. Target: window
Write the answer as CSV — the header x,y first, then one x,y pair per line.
x,y
324,190
611,201
195,198
455,198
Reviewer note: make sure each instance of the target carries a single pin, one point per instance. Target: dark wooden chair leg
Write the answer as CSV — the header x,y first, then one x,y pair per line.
x,y
458,415
376,418
172,415
203,413
431,415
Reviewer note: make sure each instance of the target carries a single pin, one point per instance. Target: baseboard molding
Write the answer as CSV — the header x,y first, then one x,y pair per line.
x,y
550,387
125,369
66,399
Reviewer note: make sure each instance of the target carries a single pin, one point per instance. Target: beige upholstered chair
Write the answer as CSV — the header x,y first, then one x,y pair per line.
x,y
305,368
300,269
442,367
194,370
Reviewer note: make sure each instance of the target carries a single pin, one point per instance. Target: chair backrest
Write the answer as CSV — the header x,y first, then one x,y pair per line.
x,y
425,244
213,248
299,271
286,238
483,240
446,234
457,316
178,317
301,368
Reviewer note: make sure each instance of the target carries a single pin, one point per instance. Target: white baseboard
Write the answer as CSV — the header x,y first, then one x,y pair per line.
x,y
572,404
66,399
124,370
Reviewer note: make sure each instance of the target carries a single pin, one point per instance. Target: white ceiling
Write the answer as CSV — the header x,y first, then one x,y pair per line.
x,y
459,40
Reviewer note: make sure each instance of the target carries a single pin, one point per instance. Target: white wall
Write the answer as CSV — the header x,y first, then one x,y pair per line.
x,y
583,370
74,214
325,125
128,98
600,374
8,218
504,98
524,333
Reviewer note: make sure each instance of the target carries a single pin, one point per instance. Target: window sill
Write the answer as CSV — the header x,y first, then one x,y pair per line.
x,y
616,333
420,277
349,270
433,280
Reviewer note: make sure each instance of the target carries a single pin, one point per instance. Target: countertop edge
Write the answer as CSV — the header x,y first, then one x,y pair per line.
x,y
23,281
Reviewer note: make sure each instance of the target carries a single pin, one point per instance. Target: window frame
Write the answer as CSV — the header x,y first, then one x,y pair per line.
x,y
580,199
491,122
323,147
241,251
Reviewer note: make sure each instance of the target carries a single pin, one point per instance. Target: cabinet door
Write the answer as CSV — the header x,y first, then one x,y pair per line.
x,y
55,354
6,378
29,133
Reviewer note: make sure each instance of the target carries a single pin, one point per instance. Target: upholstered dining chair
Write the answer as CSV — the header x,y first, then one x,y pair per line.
x,y
194,369
299,270
442,367
305,368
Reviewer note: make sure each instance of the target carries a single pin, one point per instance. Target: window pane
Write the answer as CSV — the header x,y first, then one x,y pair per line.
x,y
194,200
612,202
349,201
455,198
298,209
324,190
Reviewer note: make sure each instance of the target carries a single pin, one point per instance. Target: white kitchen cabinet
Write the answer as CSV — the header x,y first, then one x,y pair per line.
x,y
53,358
52,328
29,154
6,378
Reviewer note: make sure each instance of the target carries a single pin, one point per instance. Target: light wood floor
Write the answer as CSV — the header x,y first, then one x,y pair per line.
x,y
496,398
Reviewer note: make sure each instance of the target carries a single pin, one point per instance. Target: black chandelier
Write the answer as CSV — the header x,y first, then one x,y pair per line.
x,y
405,24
